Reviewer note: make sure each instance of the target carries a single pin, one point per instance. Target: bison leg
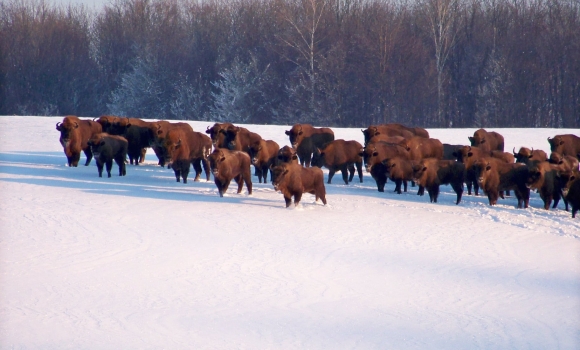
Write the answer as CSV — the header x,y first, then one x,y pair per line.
x,y
75,159
476,188
177,172
89,155
398,183
206,168
109,165
574,211
359,171
142,155
248,181
351,171
121,164
421,191
330,175
492,196
259,173
469,185
345,177
100,169
185,171
288,201
297,198
458,188
501,195
239,180
197,167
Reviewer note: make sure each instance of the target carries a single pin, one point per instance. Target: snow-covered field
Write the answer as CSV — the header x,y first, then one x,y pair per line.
x,y
145,262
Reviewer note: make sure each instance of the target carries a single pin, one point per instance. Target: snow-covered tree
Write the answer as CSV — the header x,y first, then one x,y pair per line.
x,y
187,102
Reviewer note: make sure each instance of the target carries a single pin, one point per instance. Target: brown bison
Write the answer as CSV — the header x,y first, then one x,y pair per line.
x,y
488,141
217,136
106,122
240,139
525,155
385,130
136,131
399,170
183,148
493,176
566,145
544,177
158,131
305,138
107,148
564,162
340,155
431,173
74,137
287,154
420,148
227,165
398,140
373,156
263,154
294,179
571,192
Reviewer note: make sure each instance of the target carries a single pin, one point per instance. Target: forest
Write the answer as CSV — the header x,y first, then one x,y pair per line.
x,y
342,63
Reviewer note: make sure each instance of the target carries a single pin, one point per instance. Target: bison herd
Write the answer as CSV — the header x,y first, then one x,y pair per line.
x,y
391,151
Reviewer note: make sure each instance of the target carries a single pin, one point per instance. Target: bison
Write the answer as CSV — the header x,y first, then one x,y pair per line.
x,y
487,141
294,179
305,138
263,154
106,122
183,148
136,131
525,155
399,170
227,165
571,192
385,130
107,148
544,177
564,162
431,173
420,148
217,136
566,145
494,176
340,155
157,133
373,156
240,139
74,137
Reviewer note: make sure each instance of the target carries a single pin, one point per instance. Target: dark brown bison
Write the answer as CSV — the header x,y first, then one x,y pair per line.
x,y
183,148
566,145
305,138
385,130
263,154
494,175
340,155
107,148
373,156
571,192
217,136
421,148
432,173
240,139
287,154
227,165
399,170
106,122
525,155
544,177
74,137
487,140
294,179
136,131
449,151
158,131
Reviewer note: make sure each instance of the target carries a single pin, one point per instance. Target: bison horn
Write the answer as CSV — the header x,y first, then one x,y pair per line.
x,y
469,149
514,151
207,128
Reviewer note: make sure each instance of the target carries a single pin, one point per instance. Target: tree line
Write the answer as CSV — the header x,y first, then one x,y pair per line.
x,y
346,63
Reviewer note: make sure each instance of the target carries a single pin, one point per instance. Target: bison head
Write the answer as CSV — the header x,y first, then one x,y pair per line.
x,y
254,151
317,158
482,169
171,146
67,128
96,144
230,136
287,155
478,138
296,135
216,158
278,175
463,154
556,158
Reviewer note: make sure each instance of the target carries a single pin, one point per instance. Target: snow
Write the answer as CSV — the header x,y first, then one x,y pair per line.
x,y
145,262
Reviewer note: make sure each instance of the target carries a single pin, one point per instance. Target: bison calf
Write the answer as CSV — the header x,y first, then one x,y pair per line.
x,y
107,148
294,179
227,165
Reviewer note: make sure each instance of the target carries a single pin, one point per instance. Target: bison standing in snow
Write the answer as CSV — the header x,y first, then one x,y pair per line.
x,y
294,179
227,165
107,148
74,137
